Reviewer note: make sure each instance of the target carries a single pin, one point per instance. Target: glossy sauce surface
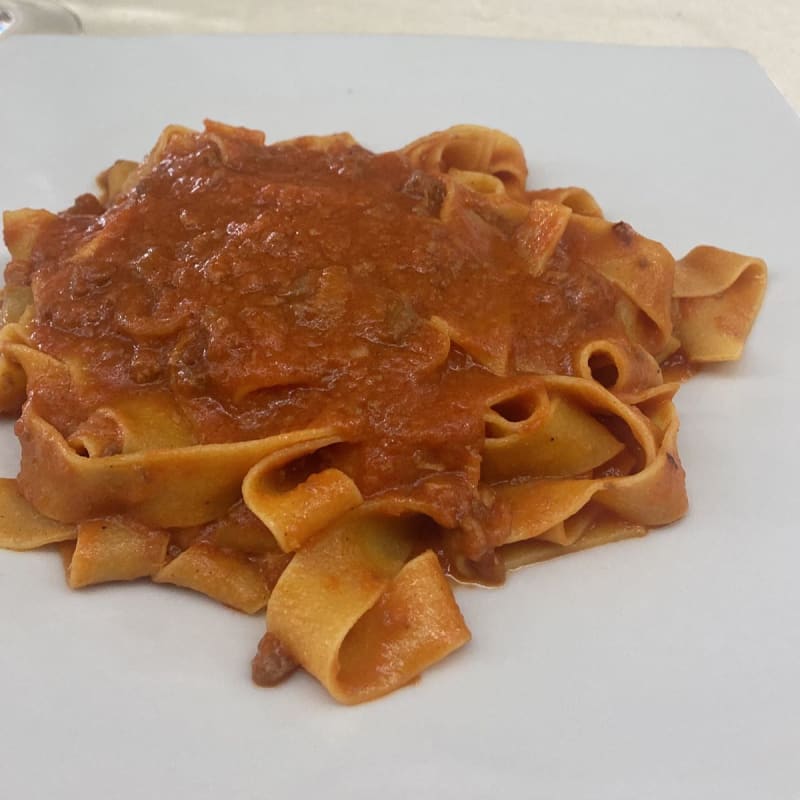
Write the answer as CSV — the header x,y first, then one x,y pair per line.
x,y
266,289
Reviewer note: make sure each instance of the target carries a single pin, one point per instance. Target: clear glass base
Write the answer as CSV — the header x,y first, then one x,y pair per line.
x,y
37,16
6,20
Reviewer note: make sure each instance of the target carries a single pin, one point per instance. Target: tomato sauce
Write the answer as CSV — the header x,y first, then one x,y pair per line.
x,y
267,289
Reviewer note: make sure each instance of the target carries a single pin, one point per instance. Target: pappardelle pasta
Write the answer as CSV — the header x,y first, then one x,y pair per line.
x,y
325,382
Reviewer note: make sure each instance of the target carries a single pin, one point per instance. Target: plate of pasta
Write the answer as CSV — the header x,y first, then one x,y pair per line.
x,y
452,414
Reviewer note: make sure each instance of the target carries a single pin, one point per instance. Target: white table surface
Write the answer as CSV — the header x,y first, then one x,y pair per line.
x,y
770,29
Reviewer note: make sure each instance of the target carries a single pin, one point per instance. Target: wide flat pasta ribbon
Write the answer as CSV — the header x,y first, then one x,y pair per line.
x,y
360,617
574,197
605,530
113,550
569,442
642,269
294,514
225,576
160,488
718,295
475,149
622,367
22,527
133,425
653,495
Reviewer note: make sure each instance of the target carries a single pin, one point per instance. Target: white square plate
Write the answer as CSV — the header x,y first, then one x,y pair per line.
x,y
665,667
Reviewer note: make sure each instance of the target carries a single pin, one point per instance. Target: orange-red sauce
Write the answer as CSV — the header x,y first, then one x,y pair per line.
x,y
279,288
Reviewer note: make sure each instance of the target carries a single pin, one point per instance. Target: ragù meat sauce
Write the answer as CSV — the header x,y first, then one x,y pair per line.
x,y
268,289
